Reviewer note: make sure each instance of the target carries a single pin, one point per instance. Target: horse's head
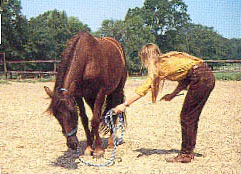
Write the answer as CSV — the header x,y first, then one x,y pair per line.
x,y
63,107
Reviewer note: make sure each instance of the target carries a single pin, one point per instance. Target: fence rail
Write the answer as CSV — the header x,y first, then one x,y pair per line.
x,y
7,72
32,72
31,61
223,61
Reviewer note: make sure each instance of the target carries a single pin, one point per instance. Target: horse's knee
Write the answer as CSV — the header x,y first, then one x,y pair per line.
x,y
95,123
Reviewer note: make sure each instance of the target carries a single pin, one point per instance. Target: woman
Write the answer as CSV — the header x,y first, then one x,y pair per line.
x,y
192,75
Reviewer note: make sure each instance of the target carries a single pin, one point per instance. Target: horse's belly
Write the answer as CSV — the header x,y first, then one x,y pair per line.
x,y
89,88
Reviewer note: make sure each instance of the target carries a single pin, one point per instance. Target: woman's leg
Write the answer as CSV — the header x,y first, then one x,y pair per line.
x,y
202,83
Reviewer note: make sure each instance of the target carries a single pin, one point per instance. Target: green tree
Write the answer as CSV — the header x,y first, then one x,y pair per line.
x,y
234,46
48,34
158,21
14,30
165,18
132,34
203,42
112,28
137,34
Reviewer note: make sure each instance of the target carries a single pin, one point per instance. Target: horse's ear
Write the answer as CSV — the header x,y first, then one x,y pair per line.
x,y
48,91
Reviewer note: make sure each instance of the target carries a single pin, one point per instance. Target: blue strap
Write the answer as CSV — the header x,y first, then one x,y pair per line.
x,y
63,89
72,132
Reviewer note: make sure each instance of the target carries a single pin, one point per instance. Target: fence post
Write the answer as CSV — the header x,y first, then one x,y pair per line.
x,y
55,66
5,66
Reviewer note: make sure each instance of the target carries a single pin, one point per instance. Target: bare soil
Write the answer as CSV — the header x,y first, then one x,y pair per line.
x,y
31,141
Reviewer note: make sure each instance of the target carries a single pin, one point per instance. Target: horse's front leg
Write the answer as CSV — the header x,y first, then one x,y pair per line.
x,y
95,122
85,123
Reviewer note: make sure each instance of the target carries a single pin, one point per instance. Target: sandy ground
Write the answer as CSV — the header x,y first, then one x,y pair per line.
x,y
31,141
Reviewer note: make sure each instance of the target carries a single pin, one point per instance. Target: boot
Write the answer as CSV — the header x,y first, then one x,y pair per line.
x,y
182,158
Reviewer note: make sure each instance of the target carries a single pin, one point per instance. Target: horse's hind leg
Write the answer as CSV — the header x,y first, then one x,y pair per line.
x,y
114,99
85,123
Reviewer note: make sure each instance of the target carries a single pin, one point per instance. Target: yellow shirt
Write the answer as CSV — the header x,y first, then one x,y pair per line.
x,y
172,66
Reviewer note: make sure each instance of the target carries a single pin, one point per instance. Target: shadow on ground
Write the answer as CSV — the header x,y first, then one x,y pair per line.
x,y
147,152
69,159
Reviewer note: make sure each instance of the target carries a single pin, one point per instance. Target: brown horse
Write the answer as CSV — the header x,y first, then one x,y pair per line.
x,y
93,69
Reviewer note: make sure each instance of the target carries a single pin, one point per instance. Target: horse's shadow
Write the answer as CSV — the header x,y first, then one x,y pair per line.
x,y
148,152
69,159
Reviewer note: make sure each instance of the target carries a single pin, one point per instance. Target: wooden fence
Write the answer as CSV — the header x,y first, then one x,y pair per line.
x,y
225,66
4,62
7,72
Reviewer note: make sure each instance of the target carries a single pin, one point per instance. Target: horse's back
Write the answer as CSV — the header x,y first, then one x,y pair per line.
x,y
113,60
96,61
118,46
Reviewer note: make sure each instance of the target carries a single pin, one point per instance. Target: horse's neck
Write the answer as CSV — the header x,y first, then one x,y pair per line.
x,y
70,77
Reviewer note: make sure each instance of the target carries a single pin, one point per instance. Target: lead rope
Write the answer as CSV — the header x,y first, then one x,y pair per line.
x,y
108,118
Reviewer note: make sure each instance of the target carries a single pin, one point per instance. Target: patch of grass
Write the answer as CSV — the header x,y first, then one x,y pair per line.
x,y
228,76
137,77
3,81
49,79
235,76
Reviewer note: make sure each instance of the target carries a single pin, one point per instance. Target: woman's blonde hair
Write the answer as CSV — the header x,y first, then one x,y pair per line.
x,y
150,55
148,52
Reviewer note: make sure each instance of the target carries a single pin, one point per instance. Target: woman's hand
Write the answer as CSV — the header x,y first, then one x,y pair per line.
x,y
122,107
119,109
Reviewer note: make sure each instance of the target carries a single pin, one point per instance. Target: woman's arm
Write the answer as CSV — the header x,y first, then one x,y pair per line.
x,y
181,86
122,107
139,92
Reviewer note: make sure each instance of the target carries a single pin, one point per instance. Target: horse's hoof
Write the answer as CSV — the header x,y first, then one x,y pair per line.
x,y
98,153
110,147
72,146
88,151
72,142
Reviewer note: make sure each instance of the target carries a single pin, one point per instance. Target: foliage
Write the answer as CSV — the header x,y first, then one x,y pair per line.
x,y
48,34
132,34
164,22
14,27
165,18
228,76
41,38
136,36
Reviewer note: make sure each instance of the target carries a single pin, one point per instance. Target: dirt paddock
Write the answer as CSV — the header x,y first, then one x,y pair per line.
x,y
31,141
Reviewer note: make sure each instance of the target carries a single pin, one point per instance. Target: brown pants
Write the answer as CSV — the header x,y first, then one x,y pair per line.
x,y
201,84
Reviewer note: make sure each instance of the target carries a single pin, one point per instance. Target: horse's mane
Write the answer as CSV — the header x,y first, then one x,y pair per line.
x,y
67,56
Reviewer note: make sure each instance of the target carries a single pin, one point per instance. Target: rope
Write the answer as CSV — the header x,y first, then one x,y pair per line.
x,y
108,118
